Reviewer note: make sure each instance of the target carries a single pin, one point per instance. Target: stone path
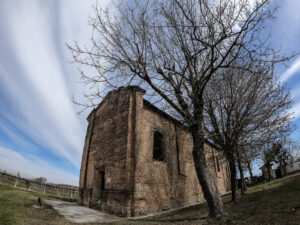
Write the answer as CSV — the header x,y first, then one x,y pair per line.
x,y
81,214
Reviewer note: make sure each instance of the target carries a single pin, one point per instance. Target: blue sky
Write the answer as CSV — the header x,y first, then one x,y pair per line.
x,y
40,132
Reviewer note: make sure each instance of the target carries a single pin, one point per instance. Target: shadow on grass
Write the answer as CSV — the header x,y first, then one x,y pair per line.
x,y
278,189
271,202
188,214
190,219
263,204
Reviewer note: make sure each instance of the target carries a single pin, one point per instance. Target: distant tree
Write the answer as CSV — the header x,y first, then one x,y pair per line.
x,y
27,184
241,106
271,143
241,151
248,157
293,147
282,156
172,49
267,157
41,180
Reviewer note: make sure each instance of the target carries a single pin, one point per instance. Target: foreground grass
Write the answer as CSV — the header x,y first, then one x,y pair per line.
x,y
16,207
277,202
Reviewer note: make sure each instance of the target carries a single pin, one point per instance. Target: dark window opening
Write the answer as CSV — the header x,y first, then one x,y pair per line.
x,y
102,183
218,164
98,187
158,147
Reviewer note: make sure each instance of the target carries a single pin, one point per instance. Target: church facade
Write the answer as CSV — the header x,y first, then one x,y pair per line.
x,y
137,159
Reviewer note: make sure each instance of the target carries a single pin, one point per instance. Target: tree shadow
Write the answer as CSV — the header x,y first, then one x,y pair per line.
x,y
192,219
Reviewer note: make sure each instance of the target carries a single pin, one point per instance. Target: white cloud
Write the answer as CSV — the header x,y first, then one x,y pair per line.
x,y
33,167
77,30
295,93
41,91
296,110
291,71
285,29
43,99
19,140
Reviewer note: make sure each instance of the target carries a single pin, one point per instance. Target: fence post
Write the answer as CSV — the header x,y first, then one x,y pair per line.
x,y
16,183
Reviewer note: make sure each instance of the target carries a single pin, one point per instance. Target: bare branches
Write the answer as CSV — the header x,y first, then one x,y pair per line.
x,y
175,49
245,110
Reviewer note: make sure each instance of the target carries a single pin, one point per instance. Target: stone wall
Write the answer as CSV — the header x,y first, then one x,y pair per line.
x,y
174,183
106,152
119,148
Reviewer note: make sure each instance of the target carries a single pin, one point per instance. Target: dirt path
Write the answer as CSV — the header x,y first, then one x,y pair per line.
x,y
81,214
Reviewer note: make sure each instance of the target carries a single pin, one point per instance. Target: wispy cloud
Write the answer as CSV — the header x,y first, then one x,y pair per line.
x,y
38,79
296,110
291,71
285,35
43,99
32,167
295,93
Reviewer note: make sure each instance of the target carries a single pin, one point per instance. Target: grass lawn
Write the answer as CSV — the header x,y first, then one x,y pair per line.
x,y
277,202
16,207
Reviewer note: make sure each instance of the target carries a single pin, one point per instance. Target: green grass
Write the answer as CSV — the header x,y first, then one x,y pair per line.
x,y
277,202
16,207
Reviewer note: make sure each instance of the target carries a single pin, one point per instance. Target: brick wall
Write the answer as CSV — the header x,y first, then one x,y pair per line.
x,y
106,150
119,147
174,183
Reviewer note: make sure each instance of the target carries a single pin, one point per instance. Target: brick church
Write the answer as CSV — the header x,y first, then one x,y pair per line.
x,y
137,159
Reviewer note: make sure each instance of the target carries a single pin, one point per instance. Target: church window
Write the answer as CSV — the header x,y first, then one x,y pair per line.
x,y
158,146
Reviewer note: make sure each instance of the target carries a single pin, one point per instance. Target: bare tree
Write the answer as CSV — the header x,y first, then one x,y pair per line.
x,y
267,156
241,107
250,153
282,156
41,180
172,49
293,148
271,143
239,155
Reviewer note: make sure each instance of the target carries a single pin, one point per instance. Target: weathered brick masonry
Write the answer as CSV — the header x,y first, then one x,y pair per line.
x,y
119,174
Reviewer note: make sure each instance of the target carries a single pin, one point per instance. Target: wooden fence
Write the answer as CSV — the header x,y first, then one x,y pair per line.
x,y
43,188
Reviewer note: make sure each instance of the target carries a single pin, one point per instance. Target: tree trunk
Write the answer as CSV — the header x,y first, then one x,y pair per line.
x,y
231,160
269,171
243,186
284,169
283,165
207,182
250,172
